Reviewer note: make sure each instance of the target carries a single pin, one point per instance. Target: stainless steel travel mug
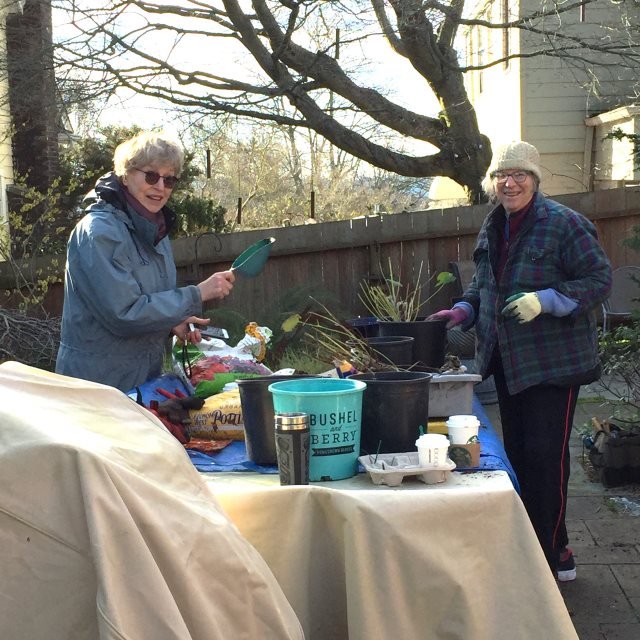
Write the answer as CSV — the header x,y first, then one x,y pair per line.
x,y
292,447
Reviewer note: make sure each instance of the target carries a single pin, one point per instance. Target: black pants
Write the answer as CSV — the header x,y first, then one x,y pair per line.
x,y
536,425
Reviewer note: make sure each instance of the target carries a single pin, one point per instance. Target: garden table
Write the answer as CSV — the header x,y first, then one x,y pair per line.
x,y
453,560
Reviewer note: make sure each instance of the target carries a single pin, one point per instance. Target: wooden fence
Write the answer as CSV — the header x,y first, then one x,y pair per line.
x,y
333,258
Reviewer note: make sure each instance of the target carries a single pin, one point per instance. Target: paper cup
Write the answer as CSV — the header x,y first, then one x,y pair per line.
x,y
462,428
463,420
432,450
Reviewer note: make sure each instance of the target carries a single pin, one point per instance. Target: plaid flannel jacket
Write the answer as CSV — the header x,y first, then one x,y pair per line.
x,y
557,248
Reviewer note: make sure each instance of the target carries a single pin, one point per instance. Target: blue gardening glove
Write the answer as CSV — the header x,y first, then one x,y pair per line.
x,y
523,306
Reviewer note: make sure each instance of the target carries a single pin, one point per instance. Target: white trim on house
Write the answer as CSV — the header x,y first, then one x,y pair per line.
x,y
612,162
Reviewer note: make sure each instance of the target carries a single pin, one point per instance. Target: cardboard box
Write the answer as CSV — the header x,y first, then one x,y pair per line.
x,y
466,456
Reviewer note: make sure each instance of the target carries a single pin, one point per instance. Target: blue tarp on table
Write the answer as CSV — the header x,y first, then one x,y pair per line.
x,y
149,390
234,457
492,457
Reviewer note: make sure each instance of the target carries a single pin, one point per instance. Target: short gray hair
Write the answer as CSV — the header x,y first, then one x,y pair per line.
x,y
148,148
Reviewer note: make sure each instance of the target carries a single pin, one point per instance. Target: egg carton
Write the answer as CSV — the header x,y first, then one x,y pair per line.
x,y
392,468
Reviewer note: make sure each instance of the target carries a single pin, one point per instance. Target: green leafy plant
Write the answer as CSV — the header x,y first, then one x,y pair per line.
x,y
396,301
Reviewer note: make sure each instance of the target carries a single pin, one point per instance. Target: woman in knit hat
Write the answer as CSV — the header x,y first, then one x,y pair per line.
x,y
540,274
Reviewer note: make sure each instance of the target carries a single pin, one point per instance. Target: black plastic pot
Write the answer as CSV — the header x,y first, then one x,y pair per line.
x,y
364,327
429,338
394,406
258,416
395,349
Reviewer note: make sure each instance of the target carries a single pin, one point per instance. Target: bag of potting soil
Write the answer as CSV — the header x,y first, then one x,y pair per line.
x,y
219,419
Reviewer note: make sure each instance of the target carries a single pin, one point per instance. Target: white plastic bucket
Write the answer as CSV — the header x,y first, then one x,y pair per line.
x,y
433,450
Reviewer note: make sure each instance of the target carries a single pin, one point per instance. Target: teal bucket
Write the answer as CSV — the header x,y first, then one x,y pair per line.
x,y
335,417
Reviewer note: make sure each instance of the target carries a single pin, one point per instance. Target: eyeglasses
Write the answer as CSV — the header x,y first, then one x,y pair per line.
x,y
152,177
519,176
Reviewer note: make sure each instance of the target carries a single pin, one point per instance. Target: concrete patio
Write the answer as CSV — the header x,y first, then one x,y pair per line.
x,y
604,532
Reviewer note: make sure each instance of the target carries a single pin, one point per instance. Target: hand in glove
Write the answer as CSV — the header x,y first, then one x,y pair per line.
x,y
523,306
174,414
177,409
177,430
455,316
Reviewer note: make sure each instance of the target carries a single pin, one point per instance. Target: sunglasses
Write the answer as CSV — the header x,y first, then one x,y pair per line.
x,y
152,177
519,176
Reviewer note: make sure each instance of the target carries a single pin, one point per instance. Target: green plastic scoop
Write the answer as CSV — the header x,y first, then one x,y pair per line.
x,y
252,260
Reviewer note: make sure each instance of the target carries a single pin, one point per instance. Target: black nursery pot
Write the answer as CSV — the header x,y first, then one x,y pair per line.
x,y
365,327
394,406
429,338
396,350
258,415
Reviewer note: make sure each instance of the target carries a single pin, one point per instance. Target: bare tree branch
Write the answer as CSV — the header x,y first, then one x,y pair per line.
x,y
289,53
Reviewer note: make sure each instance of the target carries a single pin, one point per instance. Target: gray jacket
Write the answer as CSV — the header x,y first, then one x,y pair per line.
x,y
121,300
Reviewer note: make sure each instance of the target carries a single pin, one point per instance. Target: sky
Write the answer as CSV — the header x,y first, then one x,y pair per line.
x,y
407,87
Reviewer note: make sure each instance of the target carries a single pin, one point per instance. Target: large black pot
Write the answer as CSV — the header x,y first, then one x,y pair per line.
x,y
396,350
258,416
429,338
394,407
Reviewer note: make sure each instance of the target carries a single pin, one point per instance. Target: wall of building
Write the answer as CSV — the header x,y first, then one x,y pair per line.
x,y
543,99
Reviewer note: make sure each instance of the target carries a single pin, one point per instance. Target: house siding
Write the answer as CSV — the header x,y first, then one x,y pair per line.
x,y
548,101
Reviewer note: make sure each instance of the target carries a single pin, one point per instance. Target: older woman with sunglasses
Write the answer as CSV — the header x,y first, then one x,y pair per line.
x,y
121,301
539,275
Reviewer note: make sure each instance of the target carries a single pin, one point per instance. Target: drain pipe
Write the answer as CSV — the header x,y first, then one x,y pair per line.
x,y
587,161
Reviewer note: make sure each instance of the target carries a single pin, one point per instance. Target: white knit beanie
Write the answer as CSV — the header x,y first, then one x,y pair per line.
x,y
516,155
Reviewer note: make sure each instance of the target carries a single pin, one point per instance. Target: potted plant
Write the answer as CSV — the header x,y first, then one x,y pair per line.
x,y
395,403
398,308
615,443
334,342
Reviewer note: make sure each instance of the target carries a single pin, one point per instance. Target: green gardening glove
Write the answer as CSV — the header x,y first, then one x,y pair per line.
x,y
523,306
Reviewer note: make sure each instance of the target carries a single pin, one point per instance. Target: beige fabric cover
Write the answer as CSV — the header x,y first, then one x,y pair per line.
x,y
452,561
107,530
